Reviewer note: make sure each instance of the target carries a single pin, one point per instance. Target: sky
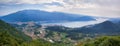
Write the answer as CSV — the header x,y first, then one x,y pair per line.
x,y
100,8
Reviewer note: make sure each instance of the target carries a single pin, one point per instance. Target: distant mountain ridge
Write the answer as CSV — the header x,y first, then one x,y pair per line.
x,y
114,20
37,15
106,27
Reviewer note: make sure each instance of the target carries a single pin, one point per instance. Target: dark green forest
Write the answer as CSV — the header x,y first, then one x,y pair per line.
x,y
101,41
9,36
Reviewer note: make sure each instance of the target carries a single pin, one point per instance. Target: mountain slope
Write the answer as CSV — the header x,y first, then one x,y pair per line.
x,y
114,20
36,15
105,27
101,41
10,36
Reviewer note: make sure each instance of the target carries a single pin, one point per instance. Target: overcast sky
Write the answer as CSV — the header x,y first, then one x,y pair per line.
x,y
102,8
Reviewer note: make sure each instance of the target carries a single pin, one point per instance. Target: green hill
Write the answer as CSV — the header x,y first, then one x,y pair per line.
x,y
102,41
10,36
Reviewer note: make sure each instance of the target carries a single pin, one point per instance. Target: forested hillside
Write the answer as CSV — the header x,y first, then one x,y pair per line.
x,y
101,41
9,36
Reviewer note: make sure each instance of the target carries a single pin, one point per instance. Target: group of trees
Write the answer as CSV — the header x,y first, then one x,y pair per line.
x,y
102,41
9,36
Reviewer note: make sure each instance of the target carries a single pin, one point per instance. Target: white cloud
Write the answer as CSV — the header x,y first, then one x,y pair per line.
x,y
29,1
34,1
103,8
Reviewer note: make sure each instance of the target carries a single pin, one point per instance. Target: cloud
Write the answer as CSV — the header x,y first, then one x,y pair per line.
x,y
102,8
29,1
